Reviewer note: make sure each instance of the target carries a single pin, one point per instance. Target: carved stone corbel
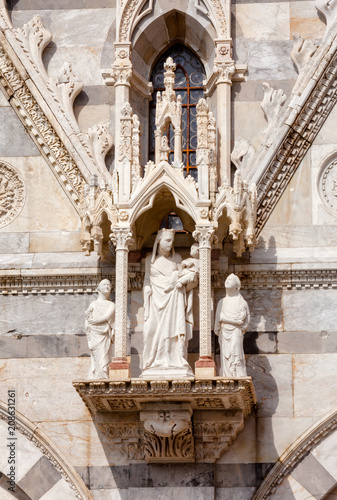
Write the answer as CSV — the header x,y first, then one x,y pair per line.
x,y
215,433
166,421
33,38
168,110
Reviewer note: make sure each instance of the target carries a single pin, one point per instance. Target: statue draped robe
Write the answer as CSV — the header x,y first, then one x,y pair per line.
x,y
168,316
231,322
100,338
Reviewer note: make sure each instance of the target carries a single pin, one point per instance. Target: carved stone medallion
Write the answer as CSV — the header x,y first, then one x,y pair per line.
x,y
327,186
12,194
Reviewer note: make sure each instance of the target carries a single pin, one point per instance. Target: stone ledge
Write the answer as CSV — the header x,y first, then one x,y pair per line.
x,y
162,421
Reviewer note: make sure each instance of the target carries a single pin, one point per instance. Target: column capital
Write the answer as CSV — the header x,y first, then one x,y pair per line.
x,y
121,238
120,72
205,236
225,71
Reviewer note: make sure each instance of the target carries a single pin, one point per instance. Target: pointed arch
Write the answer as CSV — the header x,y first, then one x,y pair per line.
x,y
60,469
160,30
134,12
311,456
164,177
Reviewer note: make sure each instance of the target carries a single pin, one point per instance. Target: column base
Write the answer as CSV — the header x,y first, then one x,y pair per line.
x,y
205,367
119,369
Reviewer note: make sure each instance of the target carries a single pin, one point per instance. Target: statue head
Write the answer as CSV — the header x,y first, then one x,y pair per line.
x,y
104,288
164,240
194,251
232,284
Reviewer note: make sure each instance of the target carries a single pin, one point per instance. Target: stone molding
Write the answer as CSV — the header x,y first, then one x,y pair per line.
x,y
12,193
45,108
64,283
38,438
296,136
170,420
235,394
39,128
295,453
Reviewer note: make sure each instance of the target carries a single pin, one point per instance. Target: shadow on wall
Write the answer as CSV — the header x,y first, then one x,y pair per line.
x,y
260,346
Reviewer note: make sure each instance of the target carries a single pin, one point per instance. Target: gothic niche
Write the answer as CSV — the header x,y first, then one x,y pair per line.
x,y
171,413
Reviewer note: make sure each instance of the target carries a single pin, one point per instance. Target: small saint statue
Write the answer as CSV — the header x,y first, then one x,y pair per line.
x,y
99,325
231,322
168,309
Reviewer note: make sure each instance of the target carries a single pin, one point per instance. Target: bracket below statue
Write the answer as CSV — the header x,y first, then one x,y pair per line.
x,y
164,421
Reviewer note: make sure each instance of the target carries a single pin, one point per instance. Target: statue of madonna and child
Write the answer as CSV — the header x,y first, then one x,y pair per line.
x,y
168,317
168,308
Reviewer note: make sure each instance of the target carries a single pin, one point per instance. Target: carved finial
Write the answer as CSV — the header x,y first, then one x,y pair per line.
x,y
202,107
65,74
169,65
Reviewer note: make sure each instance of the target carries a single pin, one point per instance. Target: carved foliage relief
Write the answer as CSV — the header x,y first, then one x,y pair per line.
x,y
12,194
327,186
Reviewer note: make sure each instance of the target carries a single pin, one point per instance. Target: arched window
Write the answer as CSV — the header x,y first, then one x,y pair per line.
x,y
189,77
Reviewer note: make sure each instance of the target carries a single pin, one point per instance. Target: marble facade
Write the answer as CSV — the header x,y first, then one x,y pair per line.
x,y
273,98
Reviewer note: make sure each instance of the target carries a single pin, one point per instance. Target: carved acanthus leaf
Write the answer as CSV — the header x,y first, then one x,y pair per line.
x,y
65,90
100,141
33,38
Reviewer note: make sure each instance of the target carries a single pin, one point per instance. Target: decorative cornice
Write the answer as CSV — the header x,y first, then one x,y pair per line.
x,y
297,139
34,434
64,283
288,279
289,460
235,394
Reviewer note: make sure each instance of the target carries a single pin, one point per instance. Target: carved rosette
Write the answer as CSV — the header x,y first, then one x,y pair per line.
x,y
12,194
327,187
